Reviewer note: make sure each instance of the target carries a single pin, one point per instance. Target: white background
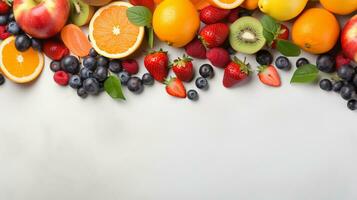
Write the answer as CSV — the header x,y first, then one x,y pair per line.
x,y
251,142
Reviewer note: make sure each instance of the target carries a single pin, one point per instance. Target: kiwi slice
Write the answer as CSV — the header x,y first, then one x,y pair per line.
x,y
81,13
246,35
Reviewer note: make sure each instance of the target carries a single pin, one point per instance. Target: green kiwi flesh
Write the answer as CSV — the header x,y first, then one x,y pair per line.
x,y
246,35
81,13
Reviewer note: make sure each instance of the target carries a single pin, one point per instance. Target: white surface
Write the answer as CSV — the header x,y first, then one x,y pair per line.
x,y
251,142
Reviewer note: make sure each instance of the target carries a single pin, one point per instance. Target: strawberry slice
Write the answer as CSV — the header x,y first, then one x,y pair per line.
x,y
175,88
55,49
269,75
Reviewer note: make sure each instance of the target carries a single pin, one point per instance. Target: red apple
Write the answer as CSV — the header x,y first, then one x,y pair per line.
x,y
41,18
349,38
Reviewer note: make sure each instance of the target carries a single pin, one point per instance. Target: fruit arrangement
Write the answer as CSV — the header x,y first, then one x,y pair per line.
x,y
211,30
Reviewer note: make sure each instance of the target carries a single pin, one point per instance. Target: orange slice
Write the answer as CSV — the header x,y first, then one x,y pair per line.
x,y
226,4
200,4
112,34
20,67
75,40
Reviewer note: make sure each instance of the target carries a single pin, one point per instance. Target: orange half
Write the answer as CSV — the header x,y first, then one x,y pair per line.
x,y
20,67
226,4
112,34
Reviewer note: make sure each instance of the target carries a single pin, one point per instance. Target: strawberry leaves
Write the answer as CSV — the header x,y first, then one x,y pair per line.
x,y
142,16
271,31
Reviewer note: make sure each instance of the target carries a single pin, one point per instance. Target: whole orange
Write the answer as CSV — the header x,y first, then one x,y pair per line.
x,y
341,7
316,31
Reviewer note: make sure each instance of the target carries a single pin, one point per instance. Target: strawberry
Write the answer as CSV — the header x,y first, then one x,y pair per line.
x,y
341,59
219,57
175,87
233,15
3,33
214,35
269,75
183,68
283,34
4,8
196,49
157,64
211,14
235,72
130,66
55,49
147,3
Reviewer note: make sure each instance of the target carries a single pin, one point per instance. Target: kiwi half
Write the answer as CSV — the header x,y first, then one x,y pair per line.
x,y
246,35
81,13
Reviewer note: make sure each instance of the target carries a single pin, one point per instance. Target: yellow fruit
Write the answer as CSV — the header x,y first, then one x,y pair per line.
x,y
316,31
112,34
176,22
20,67
226,4
282,10
341,7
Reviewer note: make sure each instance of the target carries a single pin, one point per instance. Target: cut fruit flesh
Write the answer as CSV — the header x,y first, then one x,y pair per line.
x,y
226,4
75,40
81,13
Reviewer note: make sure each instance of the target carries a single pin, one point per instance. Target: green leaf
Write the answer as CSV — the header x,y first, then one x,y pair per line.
x,y
113,87
271,28
268,36
139,15
305,74
287,48
150,32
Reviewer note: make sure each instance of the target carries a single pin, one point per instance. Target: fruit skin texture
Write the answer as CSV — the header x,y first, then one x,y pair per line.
x,y
325,84
225,4
326,63
147,3
175,88
341,59
75,40
349,38
250,4
214,35
316,31
55,49
61,78
157,65
269,76
282,10
341,7
176,22
183,68
97,2
211,14
219,57
283,35
41,19
131,66
235,72
196,49
4,8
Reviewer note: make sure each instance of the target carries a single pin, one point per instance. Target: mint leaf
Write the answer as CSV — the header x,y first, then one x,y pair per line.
x,y
287,48
268,36
305,74
270,28
113,87
150,32
139,15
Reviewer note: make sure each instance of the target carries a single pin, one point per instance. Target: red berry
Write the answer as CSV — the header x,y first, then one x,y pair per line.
x,y
219,57
4,8
269,76
214,35
235,72
61,78
3,33
341,59
283,35
211,14
196,49
175,88
55,49
157,64
130,66
233,15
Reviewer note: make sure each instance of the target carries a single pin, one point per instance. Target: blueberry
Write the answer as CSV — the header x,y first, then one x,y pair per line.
x,y
206,71
101,73
135,84
346,92
352,104
336,86
93,53
36,44
22,42
326,85
91,86
346,72
55,66
301,62
85,73
90,63
124,77
2,79
11,17
115,66
81,92
3,20
75,82
192,95
201,83
264,57
148,79
70,64
354,80
326,63
283,62
13,28
102,61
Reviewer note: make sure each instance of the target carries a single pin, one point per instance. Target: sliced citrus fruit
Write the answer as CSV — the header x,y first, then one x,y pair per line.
x,y
20,67
200,4
112,34
226,4
75,40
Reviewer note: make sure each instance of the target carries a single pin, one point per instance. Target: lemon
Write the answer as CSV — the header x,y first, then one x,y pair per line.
x,y
282,10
